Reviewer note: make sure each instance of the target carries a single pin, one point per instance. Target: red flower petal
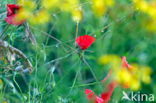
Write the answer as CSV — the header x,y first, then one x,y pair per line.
x,y
12,10
90,94
92,97
99,100
107,95
85,41
125,63
11,20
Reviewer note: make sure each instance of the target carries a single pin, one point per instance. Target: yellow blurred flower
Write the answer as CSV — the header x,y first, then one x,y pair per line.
x,y
50,4
135,84
148,7
109,59
100,6
109,2
123,76
128,76
29,10
23,15
77,15
146,72
152,11
28,5
26,11
40,17
69,5
141,5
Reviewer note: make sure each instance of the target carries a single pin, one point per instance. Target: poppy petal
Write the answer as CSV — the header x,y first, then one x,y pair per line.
x,y
12,13
125,63
85,41
92,97
106,96
90,94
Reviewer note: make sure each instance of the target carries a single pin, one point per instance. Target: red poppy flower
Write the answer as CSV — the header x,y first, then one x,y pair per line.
x,y
105,96
12,10
85,41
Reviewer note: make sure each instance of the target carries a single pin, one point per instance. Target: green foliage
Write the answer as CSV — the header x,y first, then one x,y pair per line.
x,y
59,74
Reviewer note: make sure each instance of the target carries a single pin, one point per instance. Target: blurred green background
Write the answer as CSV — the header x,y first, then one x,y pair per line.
x,y
59,75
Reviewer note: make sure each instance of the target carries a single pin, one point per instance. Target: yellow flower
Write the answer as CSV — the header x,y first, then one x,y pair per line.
x,y
23,15
146,72
69,5
141,5
123,76
41,17
148,7
99,7
77,14
109,2
50,4
26,11
152,11
28,5
135,84
109,59
128,76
